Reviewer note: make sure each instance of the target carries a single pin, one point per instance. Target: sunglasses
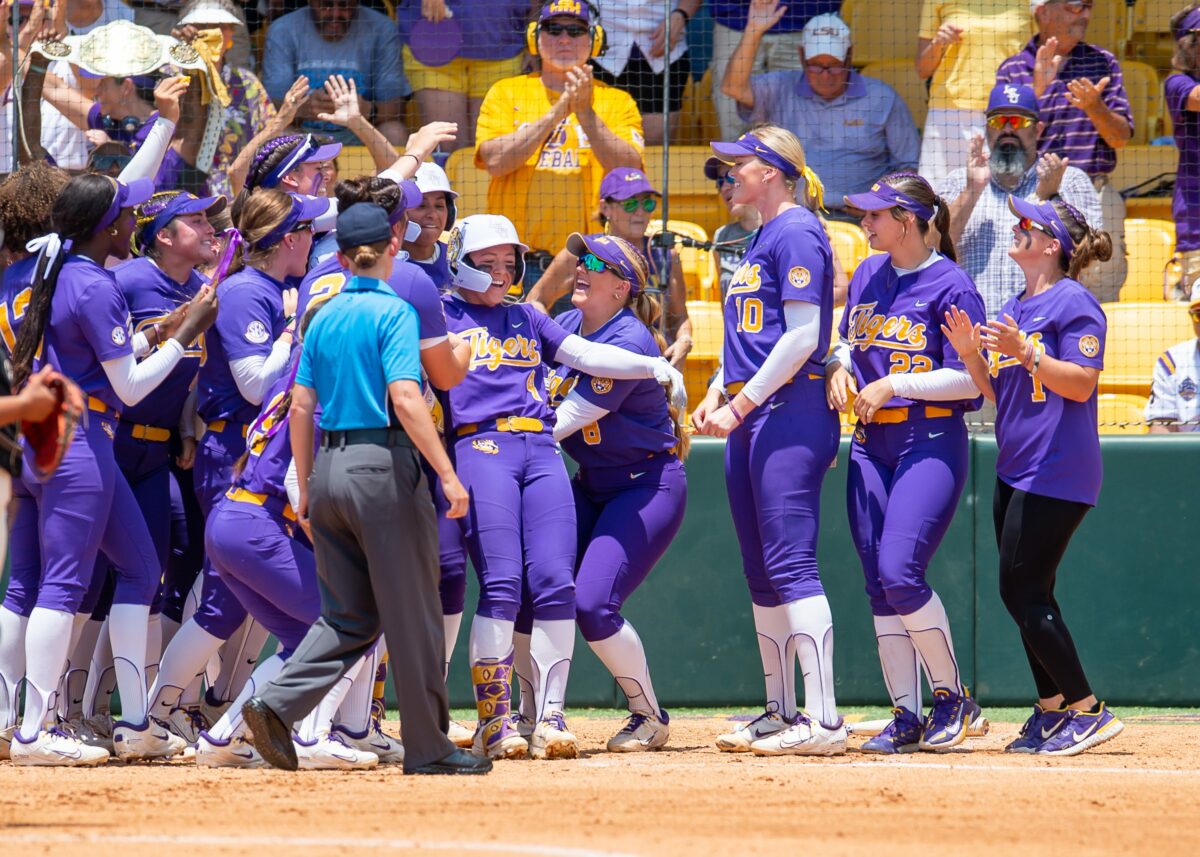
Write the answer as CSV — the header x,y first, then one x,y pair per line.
x,y
1076,7
812,68
726,179
107,162
1019,123
592,262
631,205
1027,225
575,31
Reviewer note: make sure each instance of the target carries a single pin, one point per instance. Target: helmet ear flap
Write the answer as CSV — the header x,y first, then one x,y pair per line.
x,y
531,37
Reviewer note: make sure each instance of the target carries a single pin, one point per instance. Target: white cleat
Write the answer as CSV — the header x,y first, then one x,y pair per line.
x,y
459,735
389,750
97,731
805,738
150,740
640,733
187,721
55,748
6,737
331,753
765,725
237,752
552,740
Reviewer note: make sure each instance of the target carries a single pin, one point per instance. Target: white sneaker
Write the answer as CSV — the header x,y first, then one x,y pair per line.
x,y
331,753
806,738
459,735
97,731
389,750
765,725
552,740
150,740
6,737
187,721
641,732
237,752
56,748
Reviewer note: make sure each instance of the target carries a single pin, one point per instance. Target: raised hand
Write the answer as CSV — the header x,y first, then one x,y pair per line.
x,y
422,142
435,11
168,94
1050,170
763,15
346,106
296,97
1004,337
963,334
979,172
1046,65
1085,95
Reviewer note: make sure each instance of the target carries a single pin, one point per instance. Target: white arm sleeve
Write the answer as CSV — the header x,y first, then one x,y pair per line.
x,y
187,417
606,361
291,482
140,345
803,321
574,413
131,380
718,381
148,158
940,385
254,374
840,353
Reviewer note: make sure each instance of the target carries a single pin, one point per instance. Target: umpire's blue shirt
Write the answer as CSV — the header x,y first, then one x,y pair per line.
x,y
361,340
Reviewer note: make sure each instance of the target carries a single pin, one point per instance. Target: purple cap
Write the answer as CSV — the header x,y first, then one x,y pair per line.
x,y
625,182
883,196
126,196
617,253
1044,215
566,8
164,209
410,197
1189,24
748,144
305,209
1010,98
437,44
712,168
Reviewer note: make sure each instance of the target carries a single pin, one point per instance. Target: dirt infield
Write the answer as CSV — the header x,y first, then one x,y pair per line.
x,y
1138,793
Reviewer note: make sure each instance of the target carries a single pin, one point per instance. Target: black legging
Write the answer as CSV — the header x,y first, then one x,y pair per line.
x,y
1032,532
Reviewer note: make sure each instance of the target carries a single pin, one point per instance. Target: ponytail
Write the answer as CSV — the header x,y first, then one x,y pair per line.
x,y
941,222
647,310
1091,245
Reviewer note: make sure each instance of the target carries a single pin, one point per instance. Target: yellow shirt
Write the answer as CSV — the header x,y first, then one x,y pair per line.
x,y
558,187
993,30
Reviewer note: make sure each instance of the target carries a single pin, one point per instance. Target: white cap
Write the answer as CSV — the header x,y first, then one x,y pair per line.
x,y
478,232
1196,294
431,178
209,12
825,35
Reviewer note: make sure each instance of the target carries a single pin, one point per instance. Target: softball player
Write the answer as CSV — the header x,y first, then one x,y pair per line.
x,y
432,217
1044,358
521,521
290,163
908,460
631,488
782,438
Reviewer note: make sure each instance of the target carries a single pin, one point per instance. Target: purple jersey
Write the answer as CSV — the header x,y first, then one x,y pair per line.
x,y
1047,444
170,172
151,296
894,323
269,447
638,424
1185,209
438,268
788,260
510,347
89,322
407,281
249,322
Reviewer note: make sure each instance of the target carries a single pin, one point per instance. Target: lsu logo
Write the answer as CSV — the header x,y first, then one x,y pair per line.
x,y
860,434
868,328
799,276
1089,346
1187,389
600,386
486,445
566,7
1012,93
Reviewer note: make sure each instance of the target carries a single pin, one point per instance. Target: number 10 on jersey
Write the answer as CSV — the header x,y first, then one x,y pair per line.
x,y
750,314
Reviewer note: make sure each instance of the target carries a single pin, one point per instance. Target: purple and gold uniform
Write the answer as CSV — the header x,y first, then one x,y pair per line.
x,y
776,460
438,268
631,488
909,465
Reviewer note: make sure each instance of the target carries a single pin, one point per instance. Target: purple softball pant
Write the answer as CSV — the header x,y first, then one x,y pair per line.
x,y
219,613
902,488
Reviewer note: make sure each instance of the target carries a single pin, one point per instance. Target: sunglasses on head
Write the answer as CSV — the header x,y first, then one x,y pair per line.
x,y
1027,225
575,31
595,264
1077,7
1019,123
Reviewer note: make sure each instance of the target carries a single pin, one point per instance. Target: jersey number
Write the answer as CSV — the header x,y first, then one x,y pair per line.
x,y
17,311
591,434
903,363
750,315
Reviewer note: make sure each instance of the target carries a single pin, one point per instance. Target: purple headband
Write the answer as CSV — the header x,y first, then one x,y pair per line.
x,y
748,144
305,151
304,209
1044,214
125,196
1189,24
882,196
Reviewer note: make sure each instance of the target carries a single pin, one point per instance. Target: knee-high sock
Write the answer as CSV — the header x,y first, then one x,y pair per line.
x,y
625,658
929,629
84,633
47,640
195,688
169,628
320,720
154,638
523,670
551,646
901,668
127,628
490,638
776,648
182,662
12,665
354,714
230,723
450,624
812,633
238,658
102,678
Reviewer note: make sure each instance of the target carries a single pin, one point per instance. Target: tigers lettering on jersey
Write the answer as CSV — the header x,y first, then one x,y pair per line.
x,y
196,349
490,352
869,329
559,386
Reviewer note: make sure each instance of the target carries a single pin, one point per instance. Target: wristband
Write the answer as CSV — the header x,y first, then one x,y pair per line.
x,y
1037,361
687,19
740,419
414,157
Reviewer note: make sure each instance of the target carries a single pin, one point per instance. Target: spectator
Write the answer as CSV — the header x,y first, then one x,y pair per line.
x,y
731,241
83,16
854,129
338,37
780,48
958,44
109,159
1085,114
548,139
493,37
642,48
1175,392
980,222
1183,104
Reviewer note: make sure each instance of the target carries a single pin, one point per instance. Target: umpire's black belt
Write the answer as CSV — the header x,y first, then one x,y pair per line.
x,y
379,437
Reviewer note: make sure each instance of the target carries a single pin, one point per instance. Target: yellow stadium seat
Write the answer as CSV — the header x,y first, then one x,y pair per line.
x,y
1121,413
698,125
880,33
691,196
698,269
1139,164
354,161
708,336
849,244
1137,334
470,182
1151,245
1145,100
1154,16
1107,26
901,75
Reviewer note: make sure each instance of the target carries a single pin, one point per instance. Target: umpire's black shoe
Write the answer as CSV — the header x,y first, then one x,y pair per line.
x,y
458,762
272,737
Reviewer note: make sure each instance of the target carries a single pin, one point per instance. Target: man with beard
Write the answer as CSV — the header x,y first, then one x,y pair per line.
x,y
980,222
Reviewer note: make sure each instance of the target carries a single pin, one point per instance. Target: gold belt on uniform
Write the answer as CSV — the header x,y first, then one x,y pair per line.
x,y
221,425
102,408
915,412
513,424
152,433
268,502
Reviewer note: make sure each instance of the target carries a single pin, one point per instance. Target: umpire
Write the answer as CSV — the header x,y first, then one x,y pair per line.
x,y
372,520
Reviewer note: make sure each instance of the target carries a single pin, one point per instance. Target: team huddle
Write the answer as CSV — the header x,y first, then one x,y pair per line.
x,y
175,534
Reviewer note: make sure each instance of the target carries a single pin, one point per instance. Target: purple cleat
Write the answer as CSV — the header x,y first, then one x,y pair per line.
x,y
1081,730
902,735
946,725
1042,724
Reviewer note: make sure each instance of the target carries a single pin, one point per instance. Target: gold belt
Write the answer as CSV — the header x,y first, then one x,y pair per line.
x,y
514,424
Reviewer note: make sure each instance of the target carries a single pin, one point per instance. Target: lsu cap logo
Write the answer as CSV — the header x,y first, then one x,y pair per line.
x,y
486,445
602,385
118,336
1012,93
1089,346
257,333
799,276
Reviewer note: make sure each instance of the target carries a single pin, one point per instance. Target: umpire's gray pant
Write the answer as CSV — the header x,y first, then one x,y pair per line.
x,y
375,534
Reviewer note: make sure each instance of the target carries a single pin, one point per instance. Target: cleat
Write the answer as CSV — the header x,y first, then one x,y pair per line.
x,y
150,740
55,748
763,726
459,735
977,724
187,722
330,753
496,735
498,738
946,725
641,732
237,752
902,735
1042,724
97,731
523,725
1079,731
389,750
552,740
804,738
6,737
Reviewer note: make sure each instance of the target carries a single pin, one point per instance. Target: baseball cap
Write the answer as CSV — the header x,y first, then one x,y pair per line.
x,y
712,168
825,35
362,223
566,8
1189,24
1013,98
883,196
748,144
625,182
305,209
614,252
163,208
1195,304
208,12
1044,215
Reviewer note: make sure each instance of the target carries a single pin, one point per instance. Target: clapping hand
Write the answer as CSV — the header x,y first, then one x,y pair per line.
x,y
1084,94
947,34
979,172
1050,170
963,333
579,90
1003,337
1046,65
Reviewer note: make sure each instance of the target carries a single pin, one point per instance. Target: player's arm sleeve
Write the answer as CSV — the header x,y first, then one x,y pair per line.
x,y
1164,403
256,373
399,346
574,413
790,351
149,157
132,381
291,484
940,385
605,361
140,345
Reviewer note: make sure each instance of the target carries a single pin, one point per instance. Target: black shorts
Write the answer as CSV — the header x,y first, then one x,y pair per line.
x,y
646,87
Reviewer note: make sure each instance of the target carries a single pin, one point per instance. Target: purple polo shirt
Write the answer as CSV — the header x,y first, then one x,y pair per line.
x,y
1068,130
1185,208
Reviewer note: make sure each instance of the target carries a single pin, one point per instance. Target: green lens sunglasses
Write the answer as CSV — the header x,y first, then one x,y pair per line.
x,y
595,264
631,205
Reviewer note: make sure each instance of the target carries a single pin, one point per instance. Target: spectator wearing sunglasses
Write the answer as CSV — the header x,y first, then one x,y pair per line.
x,y
854,129
628,202
980,222
1182,91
